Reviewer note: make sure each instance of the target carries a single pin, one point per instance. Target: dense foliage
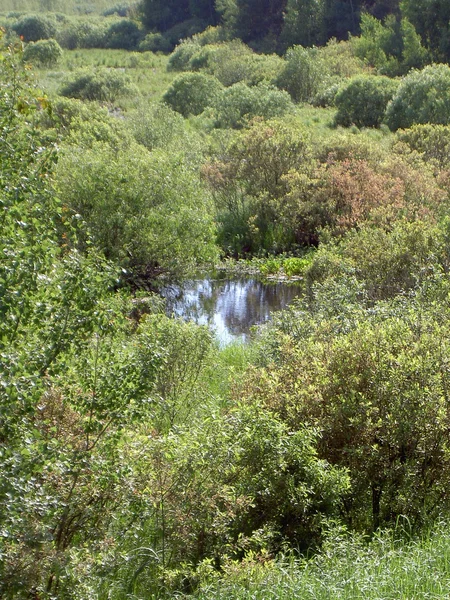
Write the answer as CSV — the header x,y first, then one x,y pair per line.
x,y
138,459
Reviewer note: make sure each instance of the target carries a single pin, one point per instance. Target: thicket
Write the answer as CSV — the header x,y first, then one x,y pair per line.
x,y
138,459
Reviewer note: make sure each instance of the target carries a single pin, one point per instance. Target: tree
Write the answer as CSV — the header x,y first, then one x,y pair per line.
x,y
161,15
393,47
303,23
431,19
51,308
258,19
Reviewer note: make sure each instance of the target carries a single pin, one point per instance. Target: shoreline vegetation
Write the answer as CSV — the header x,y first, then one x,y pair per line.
x,y
288,141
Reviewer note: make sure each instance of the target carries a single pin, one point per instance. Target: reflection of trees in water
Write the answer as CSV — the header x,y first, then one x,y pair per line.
x,y
235,305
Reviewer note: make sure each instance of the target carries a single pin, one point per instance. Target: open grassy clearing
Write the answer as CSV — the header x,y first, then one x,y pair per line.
x,y
68,7
146,70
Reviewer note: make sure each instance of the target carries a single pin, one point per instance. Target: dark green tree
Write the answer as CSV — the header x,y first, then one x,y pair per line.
x,y
304,23
431,19
257,19
164,14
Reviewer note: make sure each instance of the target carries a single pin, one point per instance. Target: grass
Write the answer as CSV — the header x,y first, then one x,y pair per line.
x,y
68,7
347,569
145,69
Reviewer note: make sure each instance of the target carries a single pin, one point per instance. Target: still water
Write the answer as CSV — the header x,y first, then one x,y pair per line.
x,y
229,307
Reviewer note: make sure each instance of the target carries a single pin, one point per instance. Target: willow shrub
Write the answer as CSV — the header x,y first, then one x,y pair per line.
x,y
422,97
192,93
240,103
374,382
45,53
363,101
144,211
101,84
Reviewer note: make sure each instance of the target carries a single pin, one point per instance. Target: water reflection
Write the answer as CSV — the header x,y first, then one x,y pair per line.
x,y
229,307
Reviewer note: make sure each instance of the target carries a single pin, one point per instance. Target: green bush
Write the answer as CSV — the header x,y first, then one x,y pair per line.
x,y
184,30
191,93
296,265
157,126
232,62
339,59
303,74
84,34
432,142
363,101
155,42
101,84
180,58
124,34
44,52
146,211
121,9
240,103
32,28
84,123
327,96
422,97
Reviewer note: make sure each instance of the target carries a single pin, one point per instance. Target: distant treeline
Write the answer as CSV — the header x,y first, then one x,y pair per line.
x,y
274,25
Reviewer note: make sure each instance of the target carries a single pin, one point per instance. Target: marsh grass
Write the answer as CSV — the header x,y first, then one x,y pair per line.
x,y
145,69
68,7
227,365
387,568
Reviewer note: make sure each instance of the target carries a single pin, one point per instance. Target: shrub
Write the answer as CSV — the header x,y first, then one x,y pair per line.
x,y
376,390
147,211
340,60
101,84
84,123
432,142
422,97
121,9
157,126
155,42
184,30
295,265
303,74
43,52
211,35
123,34
327,96
84,34
180,58
35,27
232,62
191,93
249,186
363,101
240,103
245,483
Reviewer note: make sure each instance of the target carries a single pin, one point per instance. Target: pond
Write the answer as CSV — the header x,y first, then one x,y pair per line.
x,y
229,307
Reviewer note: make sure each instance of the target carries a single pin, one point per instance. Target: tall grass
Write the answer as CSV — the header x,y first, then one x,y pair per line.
x,y
145,69
347,569
68,7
